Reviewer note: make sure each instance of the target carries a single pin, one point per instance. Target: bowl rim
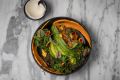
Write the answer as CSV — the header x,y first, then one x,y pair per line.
x,y
57,18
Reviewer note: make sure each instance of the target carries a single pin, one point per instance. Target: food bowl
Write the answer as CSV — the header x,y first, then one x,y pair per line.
x,y
56,53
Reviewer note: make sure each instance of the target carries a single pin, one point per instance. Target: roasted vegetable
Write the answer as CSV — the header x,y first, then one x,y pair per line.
x,y
44,53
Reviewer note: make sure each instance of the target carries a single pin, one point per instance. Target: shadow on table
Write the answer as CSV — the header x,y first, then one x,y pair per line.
x,y
49,9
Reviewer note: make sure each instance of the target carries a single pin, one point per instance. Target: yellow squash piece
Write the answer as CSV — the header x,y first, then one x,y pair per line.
x,y
44,54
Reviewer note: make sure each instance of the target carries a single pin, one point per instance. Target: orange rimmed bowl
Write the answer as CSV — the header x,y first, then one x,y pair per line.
x,y
70,23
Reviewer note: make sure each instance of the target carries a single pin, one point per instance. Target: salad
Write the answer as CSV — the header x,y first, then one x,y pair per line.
x,y
62,48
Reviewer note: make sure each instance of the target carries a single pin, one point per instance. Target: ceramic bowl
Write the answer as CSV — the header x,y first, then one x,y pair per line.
x,y
48,23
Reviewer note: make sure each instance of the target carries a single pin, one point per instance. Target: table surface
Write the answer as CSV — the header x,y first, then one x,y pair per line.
x,y
101,18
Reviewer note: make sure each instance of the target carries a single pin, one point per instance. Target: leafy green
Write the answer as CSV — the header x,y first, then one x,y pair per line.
x,y
40,39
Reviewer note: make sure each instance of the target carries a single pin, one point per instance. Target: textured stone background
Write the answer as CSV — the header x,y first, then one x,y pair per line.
x,y
101,18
